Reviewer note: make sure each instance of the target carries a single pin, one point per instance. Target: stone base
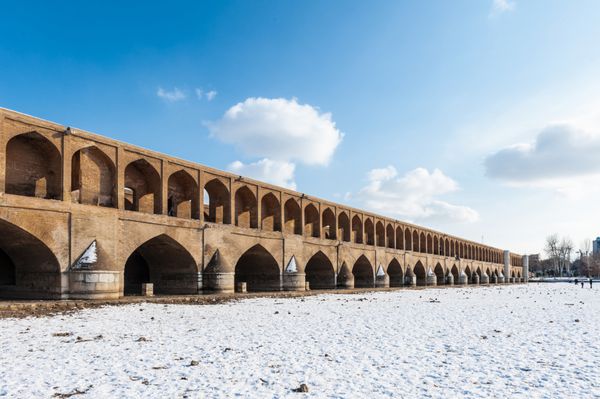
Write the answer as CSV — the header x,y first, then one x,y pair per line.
x,y
431,280
501,280
485,279
218,283
494,279
450,279
463,279
475,279
411,281
294,282
94,284
382,281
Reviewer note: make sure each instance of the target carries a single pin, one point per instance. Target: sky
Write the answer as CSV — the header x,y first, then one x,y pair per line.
x,y
477,118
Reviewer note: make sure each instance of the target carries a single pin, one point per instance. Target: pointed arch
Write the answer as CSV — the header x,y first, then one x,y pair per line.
x,y
357,230
447,248
399,238
28,268
415,241
142,188
454,272
363,273
33,167
439,274
320,273
429,244
246,208
270,213
292,217
218,208
369,232
419,271
311,221
394,270
423,243
165,263
93,178
258,269
436,245
329,227
344,227
389,235
182,198
379,234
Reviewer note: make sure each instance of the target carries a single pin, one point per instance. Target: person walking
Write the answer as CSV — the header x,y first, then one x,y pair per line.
x,y
590,282
576,281
582,283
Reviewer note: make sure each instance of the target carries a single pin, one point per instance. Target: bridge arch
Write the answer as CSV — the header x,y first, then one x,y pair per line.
x,y
182,199
363,273
439,274
292,217
369,232
420,272
415,241
218,208
258,269
142,188
93,178
320,273
311,221
454,272
380,234
389,235
329,227
270,213
165,263
422,243
33,167
28,268
357,230
344,227
246,208
394,270
399,238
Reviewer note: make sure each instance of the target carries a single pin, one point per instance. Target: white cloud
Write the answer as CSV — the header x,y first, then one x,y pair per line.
x,y
559,157
279,129
211,94
413,196
171,95
274,172
501,6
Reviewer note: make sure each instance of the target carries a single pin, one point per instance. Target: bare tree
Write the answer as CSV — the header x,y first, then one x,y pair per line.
x,y
559,252
552,250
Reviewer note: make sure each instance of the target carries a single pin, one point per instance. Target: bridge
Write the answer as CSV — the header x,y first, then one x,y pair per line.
x,y
83,216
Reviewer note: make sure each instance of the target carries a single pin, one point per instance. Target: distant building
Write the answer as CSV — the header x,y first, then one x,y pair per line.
x,y
596,245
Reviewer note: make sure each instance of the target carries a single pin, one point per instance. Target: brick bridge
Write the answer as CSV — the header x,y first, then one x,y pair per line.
x,y
84,216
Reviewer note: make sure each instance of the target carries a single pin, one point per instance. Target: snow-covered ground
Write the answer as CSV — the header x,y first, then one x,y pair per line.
x,y
536,341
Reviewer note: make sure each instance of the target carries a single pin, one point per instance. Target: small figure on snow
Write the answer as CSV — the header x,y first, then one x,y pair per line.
x,y
576,281
590,282
582,283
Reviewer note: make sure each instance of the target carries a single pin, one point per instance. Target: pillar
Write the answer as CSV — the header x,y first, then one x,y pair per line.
x,y
463,279
485,279
501,278
449,279
494,279
293,280
382,279
431,278
525,277
475,280
507,264
218,276
411,281
345,278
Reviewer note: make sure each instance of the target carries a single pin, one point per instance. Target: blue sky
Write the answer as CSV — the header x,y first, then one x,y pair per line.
x,y
424,111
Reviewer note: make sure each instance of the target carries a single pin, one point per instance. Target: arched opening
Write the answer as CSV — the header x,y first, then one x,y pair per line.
x,y
344,227
142,188
246,208
447,249
429,248
415,241
389,233
380,234
28,268
439,274
394,270
218,207
292,217
33,167
408,242
311,221
454,272
329,224
469,274
436,245
92,178
357,231
320,273
399,238
363,273
422,243
421,274
163,262
369,232
478,274
270,211
183,196
259,270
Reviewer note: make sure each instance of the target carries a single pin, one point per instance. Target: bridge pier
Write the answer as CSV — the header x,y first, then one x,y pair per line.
x,y
218,276
463,279
345,278
485,279
294,281
475,279
431,279
494,279
449,279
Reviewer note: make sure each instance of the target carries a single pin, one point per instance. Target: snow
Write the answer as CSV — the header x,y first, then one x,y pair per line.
x,y
292,267
89,257
535,341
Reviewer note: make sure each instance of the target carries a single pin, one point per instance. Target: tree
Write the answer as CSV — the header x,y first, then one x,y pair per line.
x,y
559,252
